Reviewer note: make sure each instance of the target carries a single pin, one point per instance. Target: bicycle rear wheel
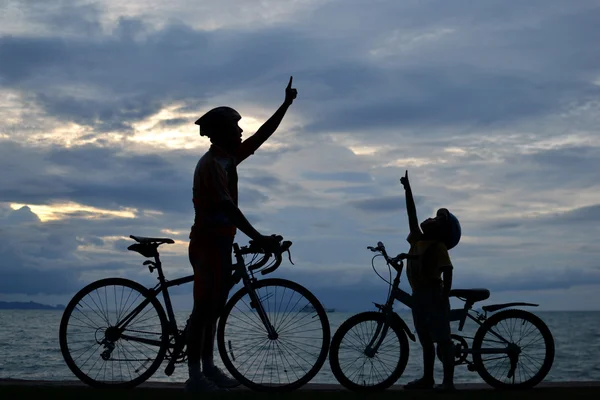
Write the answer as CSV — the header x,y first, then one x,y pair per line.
x,y
100,354
280,363
529,357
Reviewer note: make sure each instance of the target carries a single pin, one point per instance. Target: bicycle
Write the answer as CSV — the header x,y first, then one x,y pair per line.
x,y
374,352
255,322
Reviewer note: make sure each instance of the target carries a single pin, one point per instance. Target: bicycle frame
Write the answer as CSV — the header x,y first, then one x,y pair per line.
x,y
163,287
459,314
239,272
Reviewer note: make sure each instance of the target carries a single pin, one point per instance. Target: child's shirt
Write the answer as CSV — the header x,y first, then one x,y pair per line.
x,y
426,271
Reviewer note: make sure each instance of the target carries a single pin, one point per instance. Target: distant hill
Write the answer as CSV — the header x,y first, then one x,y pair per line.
x,y
18,305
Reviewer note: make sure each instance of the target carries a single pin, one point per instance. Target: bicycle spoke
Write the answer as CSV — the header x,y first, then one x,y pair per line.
x,y
283,353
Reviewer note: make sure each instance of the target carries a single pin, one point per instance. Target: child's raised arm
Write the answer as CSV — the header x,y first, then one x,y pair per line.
x,y
411,209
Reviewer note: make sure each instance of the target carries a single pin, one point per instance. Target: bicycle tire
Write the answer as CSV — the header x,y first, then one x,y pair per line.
x,y
344,329
493,321
68,313
227,352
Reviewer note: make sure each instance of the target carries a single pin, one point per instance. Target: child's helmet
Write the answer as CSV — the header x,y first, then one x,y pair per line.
x,y
454,231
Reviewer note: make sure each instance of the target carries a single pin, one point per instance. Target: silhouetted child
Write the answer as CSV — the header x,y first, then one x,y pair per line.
x,y
431,305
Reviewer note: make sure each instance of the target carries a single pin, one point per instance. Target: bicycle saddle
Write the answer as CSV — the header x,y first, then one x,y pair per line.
x,y
144,240
471,294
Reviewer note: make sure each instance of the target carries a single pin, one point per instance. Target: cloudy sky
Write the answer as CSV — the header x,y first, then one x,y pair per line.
x,y
491,106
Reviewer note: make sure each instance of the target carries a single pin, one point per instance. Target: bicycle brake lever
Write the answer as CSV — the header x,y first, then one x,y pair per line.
x,y
290,256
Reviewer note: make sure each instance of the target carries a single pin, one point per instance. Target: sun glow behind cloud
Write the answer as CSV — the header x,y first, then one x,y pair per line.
x,y
183,134
54,212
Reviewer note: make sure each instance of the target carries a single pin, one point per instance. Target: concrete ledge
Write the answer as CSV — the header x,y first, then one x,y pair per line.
x,y
20,389
308,387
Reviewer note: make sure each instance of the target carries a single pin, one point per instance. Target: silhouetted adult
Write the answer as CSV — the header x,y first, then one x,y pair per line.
x,y
217,218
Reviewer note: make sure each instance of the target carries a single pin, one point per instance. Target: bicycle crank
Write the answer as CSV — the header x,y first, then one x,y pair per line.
x,y
171,365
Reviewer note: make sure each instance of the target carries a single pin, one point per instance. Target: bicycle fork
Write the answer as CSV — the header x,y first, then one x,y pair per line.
x,y
379,334
256,304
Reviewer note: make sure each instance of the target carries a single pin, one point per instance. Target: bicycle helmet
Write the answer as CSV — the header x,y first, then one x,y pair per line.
x,y
209,121
454,231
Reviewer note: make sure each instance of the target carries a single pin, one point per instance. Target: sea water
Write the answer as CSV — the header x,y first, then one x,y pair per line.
x,y
29,348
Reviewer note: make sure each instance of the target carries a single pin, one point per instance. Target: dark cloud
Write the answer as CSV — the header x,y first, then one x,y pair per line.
x,y
565,167
502,225
28,56
262,185
168,123
251,197
358,190
107,178
439,98
384,203
68,16
346,176
263,180
591,248
587,217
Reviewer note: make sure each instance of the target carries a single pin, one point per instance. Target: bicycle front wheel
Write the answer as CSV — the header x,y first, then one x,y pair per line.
x,y
524,350
100,352
357,367
290,358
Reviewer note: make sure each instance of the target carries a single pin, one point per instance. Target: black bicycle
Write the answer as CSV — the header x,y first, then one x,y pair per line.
x,y
369,351
272,335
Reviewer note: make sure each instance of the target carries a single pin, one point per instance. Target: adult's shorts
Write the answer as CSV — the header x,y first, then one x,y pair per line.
x,y
210,257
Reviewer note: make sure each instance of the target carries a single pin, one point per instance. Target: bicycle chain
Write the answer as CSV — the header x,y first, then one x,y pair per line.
x,y
136,331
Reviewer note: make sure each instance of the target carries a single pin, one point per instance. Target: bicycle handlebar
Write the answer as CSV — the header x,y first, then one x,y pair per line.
x,y
255,248
394,260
